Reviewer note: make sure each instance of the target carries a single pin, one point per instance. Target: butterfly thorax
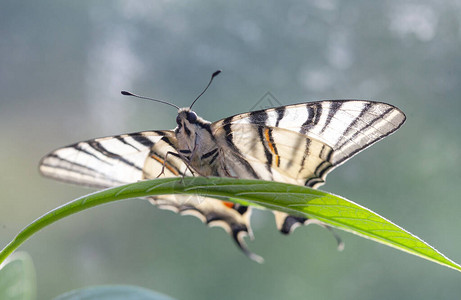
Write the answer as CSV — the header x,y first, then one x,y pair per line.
x,y
196,144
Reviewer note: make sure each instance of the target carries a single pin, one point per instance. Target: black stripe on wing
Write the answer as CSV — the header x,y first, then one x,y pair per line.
x,y
261,118
335,106
357,133
229,136
101,149
280,113
78,147
314,112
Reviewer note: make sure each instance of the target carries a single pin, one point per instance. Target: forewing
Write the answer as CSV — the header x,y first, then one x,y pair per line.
x,y
301,143
307,140
102,162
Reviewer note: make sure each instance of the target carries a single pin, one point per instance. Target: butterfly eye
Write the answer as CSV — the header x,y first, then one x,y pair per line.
x,y
191,116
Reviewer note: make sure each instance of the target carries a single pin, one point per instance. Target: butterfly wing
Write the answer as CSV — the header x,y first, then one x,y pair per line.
x,y
116,160
301,143
102,162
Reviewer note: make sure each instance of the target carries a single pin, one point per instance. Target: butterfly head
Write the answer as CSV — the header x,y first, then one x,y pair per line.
x,y
191,130
186,117
188,122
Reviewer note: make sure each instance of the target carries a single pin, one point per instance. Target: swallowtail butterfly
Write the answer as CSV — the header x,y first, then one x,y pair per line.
x,y
298,144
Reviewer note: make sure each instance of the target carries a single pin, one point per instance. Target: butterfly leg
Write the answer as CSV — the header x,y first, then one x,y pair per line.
x,y
162,171
186,162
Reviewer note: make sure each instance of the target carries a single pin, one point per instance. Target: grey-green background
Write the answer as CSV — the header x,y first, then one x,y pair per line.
x,y
63,64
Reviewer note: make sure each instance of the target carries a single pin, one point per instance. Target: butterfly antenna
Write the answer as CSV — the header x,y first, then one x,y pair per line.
x,y
211,80
125,93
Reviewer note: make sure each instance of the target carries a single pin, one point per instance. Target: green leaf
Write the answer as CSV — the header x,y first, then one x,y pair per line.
x,y
113,292
298,200
17,278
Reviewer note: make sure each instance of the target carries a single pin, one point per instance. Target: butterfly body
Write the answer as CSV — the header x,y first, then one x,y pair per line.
x,y
298,144
196,144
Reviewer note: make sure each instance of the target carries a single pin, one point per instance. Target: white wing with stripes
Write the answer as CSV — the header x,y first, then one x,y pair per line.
x,y
103,162
304,141
301,143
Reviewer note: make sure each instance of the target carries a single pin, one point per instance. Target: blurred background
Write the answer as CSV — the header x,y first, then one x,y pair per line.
x,y
63,64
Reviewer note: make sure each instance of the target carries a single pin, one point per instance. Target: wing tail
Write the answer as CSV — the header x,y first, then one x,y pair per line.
x,y
214,213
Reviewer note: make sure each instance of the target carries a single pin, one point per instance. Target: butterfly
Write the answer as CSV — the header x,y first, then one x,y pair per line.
x,y
298,144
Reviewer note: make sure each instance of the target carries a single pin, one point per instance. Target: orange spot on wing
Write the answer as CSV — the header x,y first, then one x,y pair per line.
x,y
228,204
